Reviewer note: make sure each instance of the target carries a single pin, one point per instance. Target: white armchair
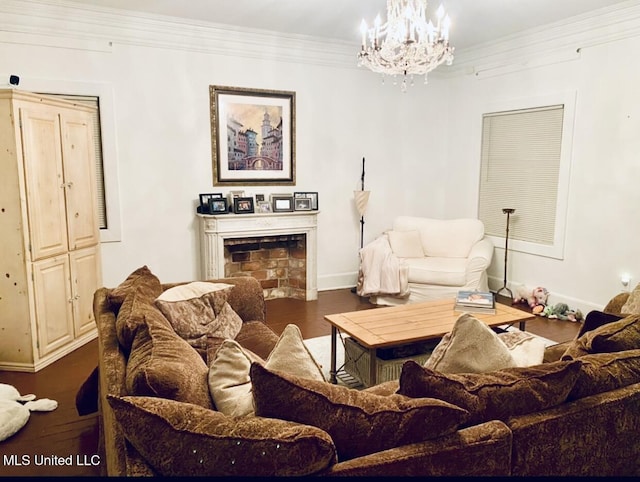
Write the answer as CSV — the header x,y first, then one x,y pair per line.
x,y
442,257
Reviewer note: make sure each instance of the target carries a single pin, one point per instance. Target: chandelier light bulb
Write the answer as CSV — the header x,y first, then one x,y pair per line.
x,y
406,44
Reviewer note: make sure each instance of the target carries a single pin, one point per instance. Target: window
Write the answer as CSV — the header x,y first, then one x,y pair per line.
x,y
525,165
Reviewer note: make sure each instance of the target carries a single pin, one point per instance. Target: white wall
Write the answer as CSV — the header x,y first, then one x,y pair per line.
x,y
422,147
160,74
602,225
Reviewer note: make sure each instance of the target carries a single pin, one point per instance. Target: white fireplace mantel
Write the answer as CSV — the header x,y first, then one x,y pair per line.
x,y
216,228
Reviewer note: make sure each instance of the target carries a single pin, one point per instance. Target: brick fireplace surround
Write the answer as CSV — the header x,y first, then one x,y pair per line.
x,y
278,249
278,262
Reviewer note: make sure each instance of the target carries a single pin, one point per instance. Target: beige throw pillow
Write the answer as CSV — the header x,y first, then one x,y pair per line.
x,y
229,381
632,305
199,310
470,347
406,244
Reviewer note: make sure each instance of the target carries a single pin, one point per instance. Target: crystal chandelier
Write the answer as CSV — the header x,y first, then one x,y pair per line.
x,y
407,44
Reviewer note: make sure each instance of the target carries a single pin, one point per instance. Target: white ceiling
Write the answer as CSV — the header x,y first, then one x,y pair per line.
x,y
473,21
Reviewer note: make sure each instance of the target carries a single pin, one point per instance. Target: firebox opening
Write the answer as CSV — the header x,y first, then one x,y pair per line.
x,y
277,262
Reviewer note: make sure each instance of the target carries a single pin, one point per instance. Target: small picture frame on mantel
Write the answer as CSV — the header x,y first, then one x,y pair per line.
x,y
282,204
311,195
302,204
243,205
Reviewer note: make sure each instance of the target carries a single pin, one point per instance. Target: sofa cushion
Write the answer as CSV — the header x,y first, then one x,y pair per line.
x,y
470,347
359,422
447,238
616,336
182,439
438,271
255,336
141,276
229,382
496,395
199,310
405,244
162,364
137,304
603,372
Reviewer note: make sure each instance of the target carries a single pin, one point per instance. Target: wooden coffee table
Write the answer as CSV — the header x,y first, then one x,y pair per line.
x,y
401,325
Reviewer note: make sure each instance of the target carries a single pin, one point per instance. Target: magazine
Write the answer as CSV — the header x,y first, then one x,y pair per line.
x,y
475,302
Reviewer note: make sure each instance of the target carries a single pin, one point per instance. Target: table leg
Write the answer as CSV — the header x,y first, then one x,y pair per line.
x,y
522,325
334,340
373,368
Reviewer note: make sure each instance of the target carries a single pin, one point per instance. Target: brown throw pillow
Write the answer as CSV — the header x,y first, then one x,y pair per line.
x,y
612,337
161,364
137,304
182,439
496,395
118,294
199,310
617,336
359,422
602,372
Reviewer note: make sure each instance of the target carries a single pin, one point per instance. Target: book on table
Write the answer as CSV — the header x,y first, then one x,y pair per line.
x,y
475,302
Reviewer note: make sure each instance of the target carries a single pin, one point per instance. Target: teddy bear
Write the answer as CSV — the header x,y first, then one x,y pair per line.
x,y
535,298
14,412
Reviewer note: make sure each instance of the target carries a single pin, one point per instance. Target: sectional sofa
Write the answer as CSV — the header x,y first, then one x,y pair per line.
x,y
157,416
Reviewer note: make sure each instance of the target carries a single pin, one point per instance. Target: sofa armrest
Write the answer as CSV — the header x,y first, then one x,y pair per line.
x,y
480,450
112,372
479,259
247,298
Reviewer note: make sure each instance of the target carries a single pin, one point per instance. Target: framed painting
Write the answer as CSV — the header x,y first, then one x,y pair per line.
x,y
253,136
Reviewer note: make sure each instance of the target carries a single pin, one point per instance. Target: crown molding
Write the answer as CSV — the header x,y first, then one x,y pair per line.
x,y
553,43
66,24
40,21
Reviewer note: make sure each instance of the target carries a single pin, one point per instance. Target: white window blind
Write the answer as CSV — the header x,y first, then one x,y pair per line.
x,y
520,168
94,101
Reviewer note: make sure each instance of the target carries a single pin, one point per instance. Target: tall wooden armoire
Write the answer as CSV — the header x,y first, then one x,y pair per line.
x,y
49,235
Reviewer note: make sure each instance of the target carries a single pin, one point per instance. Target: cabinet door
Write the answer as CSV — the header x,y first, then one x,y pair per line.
x,y
53,302
44,178
78,156
86,278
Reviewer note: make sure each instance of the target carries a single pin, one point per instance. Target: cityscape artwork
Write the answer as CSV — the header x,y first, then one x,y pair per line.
x,y
253,136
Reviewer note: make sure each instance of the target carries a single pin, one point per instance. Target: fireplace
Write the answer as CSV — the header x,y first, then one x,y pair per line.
x,y
278,249
277,262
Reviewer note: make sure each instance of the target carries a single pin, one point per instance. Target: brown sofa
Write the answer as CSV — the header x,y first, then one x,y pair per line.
x,y
180,432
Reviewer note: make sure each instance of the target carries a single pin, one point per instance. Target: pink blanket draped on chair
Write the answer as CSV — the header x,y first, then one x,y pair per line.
x,y
381,272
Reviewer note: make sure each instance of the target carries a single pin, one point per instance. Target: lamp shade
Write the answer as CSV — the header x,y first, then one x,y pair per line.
x,y
362,199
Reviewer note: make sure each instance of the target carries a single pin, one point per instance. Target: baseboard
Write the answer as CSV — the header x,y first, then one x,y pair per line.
x,y
554,298
337,281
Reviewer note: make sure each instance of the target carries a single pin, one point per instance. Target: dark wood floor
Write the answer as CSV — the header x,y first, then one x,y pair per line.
x,y
65,434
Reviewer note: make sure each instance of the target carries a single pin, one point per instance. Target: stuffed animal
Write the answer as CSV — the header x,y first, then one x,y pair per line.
x,y
533,297
561,311
14,414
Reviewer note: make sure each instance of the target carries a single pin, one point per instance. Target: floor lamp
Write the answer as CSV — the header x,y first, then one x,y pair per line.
x,y
362,199
508,212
